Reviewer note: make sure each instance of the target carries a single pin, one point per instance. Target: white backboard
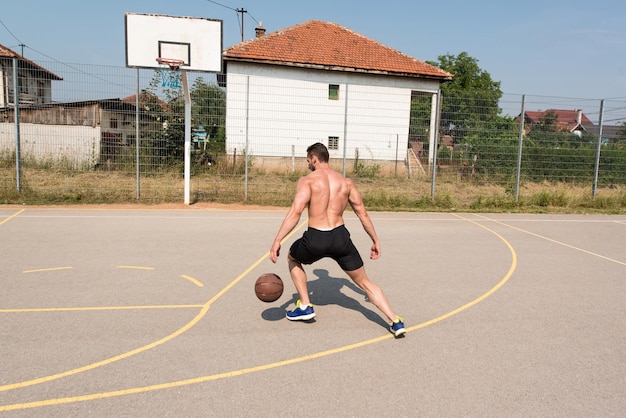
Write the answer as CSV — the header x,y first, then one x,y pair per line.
x,y
195,41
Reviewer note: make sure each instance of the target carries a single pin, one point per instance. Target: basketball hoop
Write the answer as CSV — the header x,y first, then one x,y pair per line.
x,y
173,63
170,78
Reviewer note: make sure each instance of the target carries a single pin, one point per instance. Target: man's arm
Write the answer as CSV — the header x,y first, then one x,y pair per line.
x,y
300,202
356,202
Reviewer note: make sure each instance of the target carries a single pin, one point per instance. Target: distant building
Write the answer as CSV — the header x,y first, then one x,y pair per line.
x,y
566,120
610,133
573,121
34,81
83,134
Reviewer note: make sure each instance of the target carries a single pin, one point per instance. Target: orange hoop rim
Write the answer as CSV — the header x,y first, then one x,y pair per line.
x,y
173,63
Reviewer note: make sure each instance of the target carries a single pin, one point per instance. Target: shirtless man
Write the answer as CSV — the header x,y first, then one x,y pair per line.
x,y
326,193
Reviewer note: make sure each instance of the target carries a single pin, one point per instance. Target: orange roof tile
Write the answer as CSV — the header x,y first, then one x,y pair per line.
x,y
316,44
146,97
566,119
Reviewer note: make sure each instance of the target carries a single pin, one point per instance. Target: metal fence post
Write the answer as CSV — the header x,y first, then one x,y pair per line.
x,y
138,194
187,172
519,150
435,148
16,115
598,148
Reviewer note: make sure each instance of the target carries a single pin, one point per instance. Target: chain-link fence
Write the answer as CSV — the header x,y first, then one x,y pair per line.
x,y
112,134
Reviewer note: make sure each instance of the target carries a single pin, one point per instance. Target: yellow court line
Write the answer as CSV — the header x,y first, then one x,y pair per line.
x,y
268,366
491,291
135,267
110,360
555,241
48,269
192,280
12,216
189,325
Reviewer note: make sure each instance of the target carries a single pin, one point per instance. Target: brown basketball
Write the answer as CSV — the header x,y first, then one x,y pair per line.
x,y
268,287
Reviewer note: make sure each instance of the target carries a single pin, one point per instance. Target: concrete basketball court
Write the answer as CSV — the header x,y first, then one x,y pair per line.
x,y
151,312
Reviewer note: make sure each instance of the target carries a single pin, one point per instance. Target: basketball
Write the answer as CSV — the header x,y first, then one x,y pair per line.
x,y
268,287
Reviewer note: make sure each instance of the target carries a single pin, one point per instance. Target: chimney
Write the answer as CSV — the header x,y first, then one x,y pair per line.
x,y
579,116
259,30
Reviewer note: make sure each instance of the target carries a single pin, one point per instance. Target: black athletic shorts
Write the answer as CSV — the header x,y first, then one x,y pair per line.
x,y
336,244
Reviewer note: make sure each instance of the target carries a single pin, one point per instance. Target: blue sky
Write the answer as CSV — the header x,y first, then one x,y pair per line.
x,y
549,48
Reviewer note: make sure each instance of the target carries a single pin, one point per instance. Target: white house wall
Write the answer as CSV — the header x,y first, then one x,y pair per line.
x,y
78,146
284,109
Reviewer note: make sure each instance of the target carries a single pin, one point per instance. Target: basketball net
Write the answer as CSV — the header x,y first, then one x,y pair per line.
x,y
170,72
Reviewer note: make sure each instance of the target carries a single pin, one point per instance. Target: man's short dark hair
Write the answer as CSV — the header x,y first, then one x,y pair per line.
x,y
319,150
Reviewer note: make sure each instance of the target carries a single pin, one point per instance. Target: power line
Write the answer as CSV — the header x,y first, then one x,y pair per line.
x,y
220,4
238,11
21,44
78,70
252,17
9,30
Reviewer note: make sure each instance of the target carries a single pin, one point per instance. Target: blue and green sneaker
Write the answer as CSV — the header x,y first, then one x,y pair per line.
x,y
301,313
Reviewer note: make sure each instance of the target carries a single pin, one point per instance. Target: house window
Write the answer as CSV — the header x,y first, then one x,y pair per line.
x,y
333,142
113,123
41,91
333,92
22,81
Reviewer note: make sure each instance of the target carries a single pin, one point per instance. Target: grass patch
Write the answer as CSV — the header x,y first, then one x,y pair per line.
x,y
42,186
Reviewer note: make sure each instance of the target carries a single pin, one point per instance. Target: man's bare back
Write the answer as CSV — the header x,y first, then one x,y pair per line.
x,y
326,194
329,195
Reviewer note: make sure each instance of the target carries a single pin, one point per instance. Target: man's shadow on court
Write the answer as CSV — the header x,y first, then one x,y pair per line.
x,y
326,290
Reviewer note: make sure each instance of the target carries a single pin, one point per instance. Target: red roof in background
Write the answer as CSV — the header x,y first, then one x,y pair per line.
x,y
566,119
146,97
316,44
9,53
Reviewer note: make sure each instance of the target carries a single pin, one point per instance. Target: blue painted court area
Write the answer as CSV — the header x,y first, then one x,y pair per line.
x,y
152,312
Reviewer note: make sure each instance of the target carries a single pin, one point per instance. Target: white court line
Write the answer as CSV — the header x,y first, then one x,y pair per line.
x,y
252,214
564,244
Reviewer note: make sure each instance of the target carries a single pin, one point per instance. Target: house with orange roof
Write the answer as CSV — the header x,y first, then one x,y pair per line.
x,y
34,82
322,82
573,121
566,120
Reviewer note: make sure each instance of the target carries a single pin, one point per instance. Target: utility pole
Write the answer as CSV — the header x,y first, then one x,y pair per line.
x,y
242,11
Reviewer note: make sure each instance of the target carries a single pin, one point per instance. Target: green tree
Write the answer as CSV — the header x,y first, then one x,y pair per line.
x,y
546,132
169,105
156,141
492,151
208,109
622,135
470,99
419,123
